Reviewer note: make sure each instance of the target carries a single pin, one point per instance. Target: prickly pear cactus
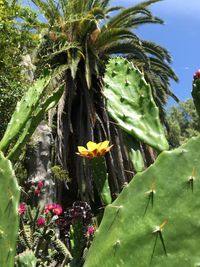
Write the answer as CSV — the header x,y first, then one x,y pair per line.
x,y
9,199
26,259
196,91
131,105
34,120
155,220
134,152
24,110
100,177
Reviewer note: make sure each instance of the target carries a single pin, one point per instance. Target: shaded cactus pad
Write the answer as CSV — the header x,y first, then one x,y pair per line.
x,y
131,105
155,221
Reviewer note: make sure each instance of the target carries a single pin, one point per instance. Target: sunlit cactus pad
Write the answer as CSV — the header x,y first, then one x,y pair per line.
x,y
131,105
155,221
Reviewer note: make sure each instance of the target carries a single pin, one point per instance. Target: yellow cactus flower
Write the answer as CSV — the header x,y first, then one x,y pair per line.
x,y
93,149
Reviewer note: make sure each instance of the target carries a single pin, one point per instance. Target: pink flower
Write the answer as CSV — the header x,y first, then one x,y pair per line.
x,y
90,231
22,208
40,184
41,221
55,208
49,207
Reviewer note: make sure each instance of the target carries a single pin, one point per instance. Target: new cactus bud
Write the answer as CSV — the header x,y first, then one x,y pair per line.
x,y
197,74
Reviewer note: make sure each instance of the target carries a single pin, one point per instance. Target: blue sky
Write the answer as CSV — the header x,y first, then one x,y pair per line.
x,y
180,35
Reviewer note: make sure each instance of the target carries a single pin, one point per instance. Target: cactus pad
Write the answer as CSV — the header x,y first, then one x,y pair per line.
x,y
9,199
155,220
131,105
100,177
24,110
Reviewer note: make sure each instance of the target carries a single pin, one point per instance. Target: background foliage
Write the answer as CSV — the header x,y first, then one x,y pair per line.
x,y
18,26
183,123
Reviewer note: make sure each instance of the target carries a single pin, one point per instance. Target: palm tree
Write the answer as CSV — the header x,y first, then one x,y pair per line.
x,y
80,37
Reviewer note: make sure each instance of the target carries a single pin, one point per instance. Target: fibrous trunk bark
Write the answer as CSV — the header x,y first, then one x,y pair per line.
x,y
82,117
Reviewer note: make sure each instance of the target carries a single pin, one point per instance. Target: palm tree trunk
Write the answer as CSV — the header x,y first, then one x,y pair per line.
x,y
82,116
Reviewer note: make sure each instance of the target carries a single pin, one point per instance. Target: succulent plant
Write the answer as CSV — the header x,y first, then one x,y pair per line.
x,y
197,74
196,91
155,219
9,199
94,153
131,105
26,259
135,155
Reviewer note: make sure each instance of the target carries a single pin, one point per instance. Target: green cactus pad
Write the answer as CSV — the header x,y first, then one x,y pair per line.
x,y
26,259
155,221
100,177
9,199
24,110
134,152
131,105
34,121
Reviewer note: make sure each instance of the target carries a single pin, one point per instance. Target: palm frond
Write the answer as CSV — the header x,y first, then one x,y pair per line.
x,y
105,3
123,18
115,8
50,11
164,67
135,22
156,50
88,76
124,48
112,35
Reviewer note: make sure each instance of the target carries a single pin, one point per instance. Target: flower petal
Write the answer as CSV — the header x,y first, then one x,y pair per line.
x,y
83,153
91,146
81,149
103,144
108,148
